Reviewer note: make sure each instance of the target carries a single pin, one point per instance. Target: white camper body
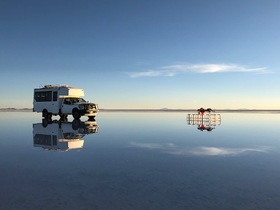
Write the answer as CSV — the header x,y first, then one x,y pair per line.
x,y
63,101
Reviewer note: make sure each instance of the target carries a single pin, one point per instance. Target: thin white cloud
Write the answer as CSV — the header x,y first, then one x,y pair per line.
x,y
173,70
151,146
222,151
170,148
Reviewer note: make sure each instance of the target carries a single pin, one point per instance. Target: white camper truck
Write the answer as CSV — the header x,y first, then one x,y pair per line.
x,y
62,100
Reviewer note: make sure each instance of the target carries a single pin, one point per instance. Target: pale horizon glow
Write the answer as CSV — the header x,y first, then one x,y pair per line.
x,y
173,149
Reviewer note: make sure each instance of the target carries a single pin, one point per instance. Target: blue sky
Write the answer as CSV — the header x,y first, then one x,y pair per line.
x,y
143,53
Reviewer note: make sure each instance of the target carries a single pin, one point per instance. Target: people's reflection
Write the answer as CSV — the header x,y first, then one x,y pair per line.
x,y
62,135
204,122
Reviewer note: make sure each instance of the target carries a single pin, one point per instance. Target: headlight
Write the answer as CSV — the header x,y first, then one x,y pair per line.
x,y
81,107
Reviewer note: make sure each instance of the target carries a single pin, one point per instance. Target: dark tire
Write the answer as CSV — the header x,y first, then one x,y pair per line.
x,y
45,122
76,114
46,114
76,124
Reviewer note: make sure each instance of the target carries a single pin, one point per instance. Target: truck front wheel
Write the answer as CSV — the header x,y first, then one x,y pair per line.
x,y
76,114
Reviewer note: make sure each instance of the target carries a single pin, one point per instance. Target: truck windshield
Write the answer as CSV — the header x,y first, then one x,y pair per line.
x,y
73,100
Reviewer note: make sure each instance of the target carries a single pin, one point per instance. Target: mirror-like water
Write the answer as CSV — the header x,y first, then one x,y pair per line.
x,y
138,160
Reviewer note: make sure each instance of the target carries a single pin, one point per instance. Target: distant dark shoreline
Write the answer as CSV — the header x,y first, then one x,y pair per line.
x,y
15,110
160,110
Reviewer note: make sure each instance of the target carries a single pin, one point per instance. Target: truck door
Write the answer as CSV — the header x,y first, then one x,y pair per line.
x,y
51,104
66,106
54,104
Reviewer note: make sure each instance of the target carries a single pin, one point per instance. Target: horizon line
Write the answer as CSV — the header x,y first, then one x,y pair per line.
x,y
160,110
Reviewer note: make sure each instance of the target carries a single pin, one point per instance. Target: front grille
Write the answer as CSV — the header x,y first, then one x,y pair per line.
x,y
90,106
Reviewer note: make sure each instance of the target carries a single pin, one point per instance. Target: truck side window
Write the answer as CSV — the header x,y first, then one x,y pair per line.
x,y
67,101
55,96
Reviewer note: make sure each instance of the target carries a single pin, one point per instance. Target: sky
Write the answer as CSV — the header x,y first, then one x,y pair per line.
x,y
149,54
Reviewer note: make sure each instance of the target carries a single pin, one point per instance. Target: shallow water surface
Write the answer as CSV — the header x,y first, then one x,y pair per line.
x,y
140,160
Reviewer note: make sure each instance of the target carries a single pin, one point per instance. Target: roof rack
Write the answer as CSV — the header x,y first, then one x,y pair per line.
x,y
55,86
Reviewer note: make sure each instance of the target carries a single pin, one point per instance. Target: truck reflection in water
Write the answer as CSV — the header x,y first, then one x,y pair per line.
x,y
204,122
62,136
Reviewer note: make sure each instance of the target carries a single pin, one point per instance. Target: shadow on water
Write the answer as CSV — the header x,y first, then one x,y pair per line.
x,y
204,122
61,135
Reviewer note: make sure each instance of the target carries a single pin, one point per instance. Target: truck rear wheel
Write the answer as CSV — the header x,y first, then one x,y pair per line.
x,y
46,114
76,114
